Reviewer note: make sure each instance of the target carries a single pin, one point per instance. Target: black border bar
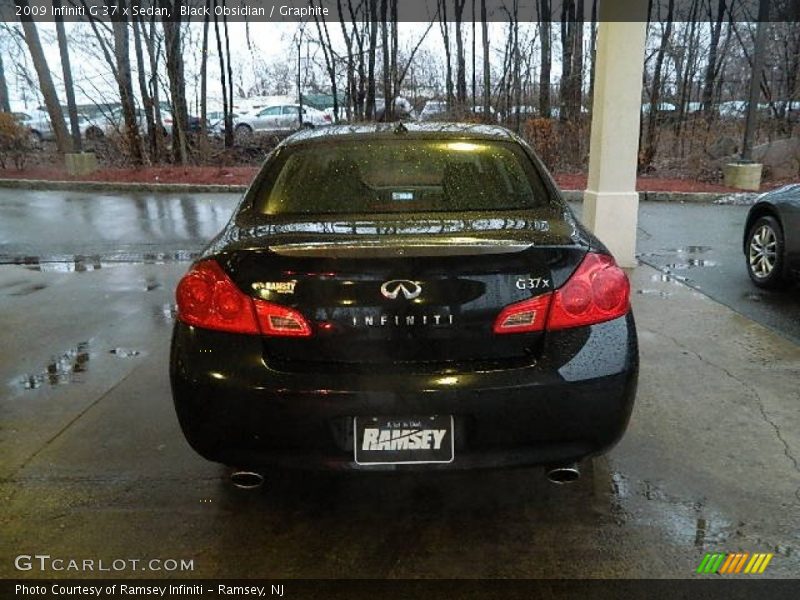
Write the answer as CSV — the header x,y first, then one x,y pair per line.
x,y
711,588
294,11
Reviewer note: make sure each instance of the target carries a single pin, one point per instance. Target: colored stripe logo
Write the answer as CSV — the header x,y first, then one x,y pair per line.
x,y
734,563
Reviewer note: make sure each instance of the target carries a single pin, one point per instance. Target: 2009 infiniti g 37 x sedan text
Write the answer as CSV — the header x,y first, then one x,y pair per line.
x,y
411,295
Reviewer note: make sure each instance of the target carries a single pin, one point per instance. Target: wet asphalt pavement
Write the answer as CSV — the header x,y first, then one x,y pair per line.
x,y
93,465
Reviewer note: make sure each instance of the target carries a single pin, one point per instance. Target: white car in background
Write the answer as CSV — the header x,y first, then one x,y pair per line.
x,y
281,118
42,129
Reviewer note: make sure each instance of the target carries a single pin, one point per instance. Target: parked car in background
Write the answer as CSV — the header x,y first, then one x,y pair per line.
x,y
772,238
281,118
415,297
41,127
216,122
433,109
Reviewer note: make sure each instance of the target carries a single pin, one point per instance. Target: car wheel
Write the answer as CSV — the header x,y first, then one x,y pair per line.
x,y
243,131
765,248
307,125
94,133
36,138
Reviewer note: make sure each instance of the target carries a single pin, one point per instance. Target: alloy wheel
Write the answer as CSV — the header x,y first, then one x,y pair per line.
x,y
763,252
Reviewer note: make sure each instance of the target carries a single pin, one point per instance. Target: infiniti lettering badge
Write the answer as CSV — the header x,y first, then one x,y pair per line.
x,y
410,290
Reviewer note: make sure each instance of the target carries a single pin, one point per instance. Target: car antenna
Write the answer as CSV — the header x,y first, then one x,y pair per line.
x,y
400,128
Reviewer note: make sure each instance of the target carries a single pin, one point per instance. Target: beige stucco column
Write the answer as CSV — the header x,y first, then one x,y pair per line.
x,y
610,202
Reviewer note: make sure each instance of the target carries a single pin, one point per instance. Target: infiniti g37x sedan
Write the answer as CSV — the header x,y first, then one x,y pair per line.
x,y
772,238
403,297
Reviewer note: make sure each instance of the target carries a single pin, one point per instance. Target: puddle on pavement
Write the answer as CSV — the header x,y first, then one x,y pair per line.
x,y
690,263
681,250
67,367
650,292
124,352
164,314
686,522
668,278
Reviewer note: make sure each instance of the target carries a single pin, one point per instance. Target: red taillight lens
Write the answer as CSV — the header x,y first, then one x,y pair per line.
x,y
597,291
524,317
207,298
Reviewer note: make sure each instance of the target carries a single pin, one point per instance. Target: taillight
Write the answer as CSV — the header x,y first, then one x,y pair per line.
x,y
524,317
597,291
207,298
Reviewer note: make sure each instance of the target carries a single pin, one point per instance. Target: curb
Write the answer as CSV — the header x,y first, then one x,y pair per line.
x,y
741,198
110,186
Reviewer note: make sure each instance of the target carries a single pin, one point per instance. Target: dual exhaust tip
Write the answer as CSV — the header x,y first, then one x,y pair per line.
x,y
560,475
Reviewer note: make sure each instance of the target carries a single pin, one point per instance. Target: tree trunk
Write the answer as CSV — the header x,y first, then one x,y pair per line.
x,y
487,72
567,41
147,100
63,141
545,19
387,75
448,63
119,23
153,57
351,70
461,74
66,69
5,105
204,82
651,136
177,83
226,109
373,42
711,65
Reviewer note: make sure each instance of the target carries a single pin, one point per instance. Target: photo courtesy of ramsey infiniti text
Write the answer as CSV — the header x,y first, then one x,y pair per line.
x,y
392,297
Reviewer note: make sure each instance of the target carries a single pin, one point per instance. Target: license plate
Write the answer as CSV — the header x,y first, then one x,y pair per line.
x,y
403,440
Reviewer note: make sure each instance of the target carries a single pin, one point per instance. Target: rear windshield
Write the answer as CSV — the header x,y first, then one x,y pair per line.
x,y
390,176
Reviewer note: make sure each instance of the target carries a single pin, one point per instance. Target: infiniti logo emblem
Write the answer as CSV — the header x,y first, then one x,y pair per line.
x,y
410,289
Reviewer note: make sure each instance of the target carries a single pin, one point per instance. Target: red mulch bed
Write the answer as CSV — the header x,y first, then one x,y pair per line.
x,y
243,176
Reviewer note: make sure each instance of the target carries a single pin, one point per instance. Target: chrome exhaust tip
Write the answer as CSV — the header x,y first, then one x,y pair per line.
x,y
247,480
564,474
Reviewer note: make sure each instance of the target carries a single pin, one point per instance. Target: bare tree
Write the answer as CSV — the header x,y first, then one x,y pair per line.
x,y
651,133
63,141
226,83
177,83
461,76
5,105
487,72
545,20
119,23
371,50
153,133
66,69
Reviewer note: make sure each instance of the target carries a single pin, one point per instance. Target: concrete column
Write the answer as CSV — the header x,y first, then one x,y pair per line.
x,y
611,202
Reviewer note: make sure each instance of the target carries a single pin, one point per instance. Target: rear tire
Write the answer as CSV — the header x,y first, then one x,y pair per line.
x,y
243,132
765,253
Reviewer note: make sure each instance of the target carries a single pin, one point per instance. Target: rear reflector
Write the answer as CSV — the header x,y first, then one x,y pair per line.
x,y
597,291
524,317
207,298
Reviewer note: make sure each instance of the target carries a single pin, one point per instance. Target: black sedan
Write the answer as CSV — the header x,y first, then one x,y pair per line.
x,y
772,238
404,297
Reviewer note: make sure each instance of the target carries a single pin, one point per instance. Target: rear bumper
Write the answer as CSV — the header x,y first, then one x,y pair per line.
x,y
575,401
